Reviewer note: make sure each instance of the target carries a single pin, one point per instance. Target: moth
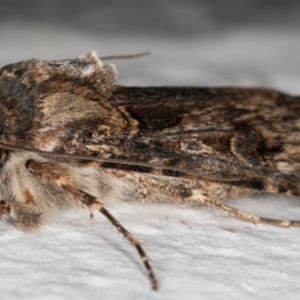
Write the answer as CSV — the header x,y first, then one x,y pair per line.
x,y
69,135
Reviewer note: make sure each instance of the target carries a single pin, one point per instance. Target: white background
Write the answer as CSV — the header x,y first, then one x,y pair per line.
x,y
195,252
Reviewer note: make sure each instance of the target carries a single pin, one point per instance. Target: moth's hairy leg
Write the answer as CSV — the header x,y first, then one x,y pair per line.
x,y
25,216
96,204
244,143
61,177
247,216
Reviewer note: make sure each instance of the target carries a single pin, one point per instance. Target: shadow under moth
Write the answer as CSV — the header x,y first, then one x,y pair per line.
x,y
70,136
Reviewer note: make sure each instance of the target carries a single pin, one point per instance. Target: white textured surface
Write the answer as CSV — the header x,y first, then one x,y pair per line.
x,y
196,252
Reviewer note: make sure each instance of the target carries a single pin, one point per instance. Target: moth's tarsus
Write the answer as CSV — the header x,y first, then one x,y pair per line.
x,y
248,216
133,241
71,136
96,204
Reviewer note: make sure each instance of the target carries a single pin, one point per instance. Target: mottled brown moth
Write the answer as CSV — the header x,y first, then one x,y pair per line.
x,y
71,136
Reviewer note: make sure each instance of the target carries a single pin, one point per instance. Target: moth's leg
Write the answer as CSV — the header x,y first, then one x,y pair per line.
x,y
244,143
132,240
62,178
25,216
96,204
247,216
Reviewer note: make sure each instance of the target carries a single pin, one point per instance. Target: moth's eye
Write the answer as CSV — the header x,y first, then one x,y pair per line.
x,y
28,163
4,155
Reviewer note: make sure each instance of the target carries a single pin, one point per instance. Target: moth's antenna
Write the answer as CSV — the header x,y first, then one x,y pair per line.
x,y
125,56
122,162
